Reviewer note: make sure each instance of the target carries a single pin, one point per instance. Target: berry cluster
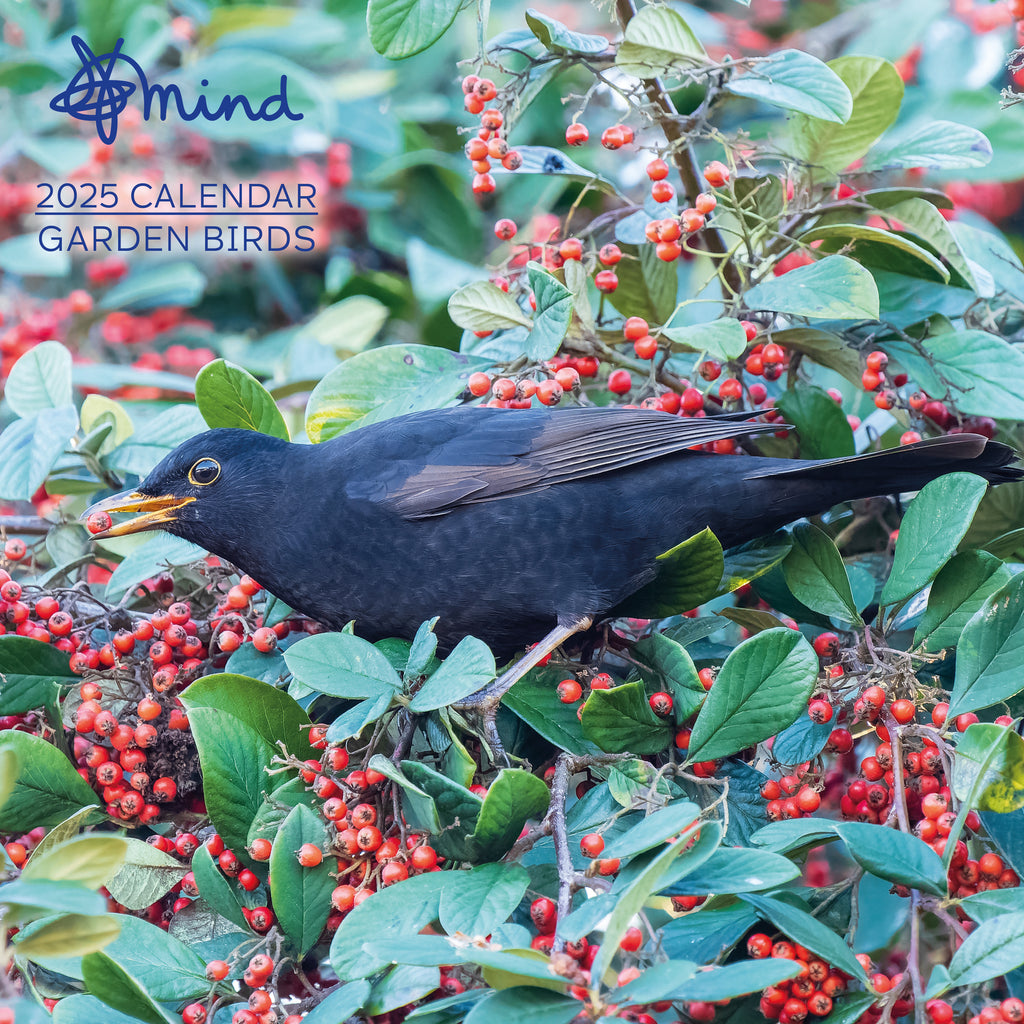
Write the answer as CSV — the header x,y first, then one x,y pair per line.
x,y
489,143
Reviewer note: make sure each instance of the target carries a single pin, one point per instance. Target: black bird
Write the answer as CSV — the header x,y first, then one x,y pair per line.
x,y
509,525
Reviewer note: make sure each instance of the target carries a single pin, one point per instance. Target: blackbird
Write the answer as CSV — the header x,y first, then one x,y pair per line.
x,y
509,525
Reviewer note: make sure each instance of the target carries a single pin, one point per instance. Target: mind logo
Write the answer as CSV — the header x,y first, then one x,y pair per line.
x,y
95,95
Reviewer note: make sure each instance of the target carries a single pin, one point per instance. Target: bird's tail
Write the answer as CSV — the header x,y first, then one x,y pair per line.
x,y
907,468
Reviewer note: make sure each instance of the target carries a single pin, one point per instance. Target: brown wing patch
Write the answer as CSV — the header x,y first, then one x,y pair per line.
x,y
572,445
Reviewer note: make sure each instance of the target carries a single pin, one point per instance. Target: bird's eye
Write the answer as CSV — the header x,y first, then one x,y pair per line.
x,y
205,471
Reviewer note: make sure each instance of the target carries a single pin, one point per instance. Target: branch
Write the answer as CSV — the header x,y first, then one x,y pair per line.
x,y
682,155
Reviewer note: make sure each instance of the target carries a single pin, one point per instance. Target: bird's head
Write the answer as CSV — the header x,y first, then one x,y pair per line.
x,y
200,489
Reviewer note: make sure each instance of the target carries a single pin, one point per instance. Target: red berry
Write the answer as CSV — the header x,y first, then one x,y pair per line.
x,y
606,280
592,844
619,382
647,346
661,703
903,711
613,137
576,134
662,191
609,254
264,639
820,711
569,691
716,174
826,646
97,523
657,170
635,328
632,940
505,229
310,855
571,249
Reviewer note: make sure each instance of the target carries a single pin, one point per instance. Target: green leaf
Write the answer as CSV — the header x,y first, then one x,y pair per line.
x,y
155,439
731,980
89,860
214,888
825,348
549,161
29,448
801,741
233,757
31,674
404,984
47,789
534,700
229,396
301,896
924,220
620,719
524,1004
988,770
146,875
40,380
558,38
483,306
983,906
816,575
97,410
449,810
721,339
400,28
167,968
995,947
935,523
733,869
347,326
747,562
22,255
553,316
666,665
638,891
69,935
342,665
795,80
990,654
936,144
688,575
793,834
657,42
847,237
355,720
342,1002
26,898
835,288
647,285
982,371
512,798
395,912
108,981
268,711
796,923
895,856
10,768
763,686
654,830
877,91
150,558
483,899
659,981
820,421
168,284
467,669
962,586
384,382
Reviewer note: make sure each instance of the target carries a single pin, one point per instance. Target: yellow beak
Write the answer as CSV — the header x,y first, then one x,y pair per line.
x,y
150,512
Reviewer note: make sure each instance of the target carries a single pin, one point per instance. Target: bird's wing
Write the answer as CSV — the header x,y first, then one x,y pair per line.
x,y
497,454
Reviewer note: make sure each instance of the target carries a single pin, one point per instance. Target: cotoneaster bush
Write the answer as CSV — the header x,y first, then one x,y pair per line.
x,y
212,810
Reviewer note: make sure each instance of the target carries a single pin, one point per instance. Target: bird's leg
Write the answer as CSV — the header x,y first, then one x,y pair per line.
x,y
491,695
487,700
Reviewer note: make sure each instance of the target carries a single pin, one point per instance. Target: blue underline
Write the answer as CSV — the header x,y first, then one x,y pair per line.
x,y
176,213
